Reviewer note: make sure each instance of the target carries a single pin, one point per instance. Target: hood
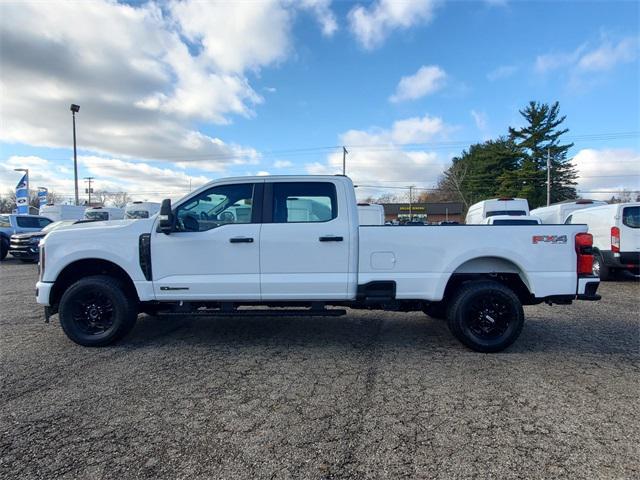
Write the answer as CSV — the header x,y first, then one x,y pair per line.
x,y
22,236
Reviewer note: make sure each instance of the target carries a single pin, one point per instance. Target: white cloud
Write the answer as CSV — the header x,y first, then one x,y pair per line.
x,y
141,180
379,154
609,54
323,13
282,164
607,170
503,71
585,58
144,75
427,80
371,25
480,119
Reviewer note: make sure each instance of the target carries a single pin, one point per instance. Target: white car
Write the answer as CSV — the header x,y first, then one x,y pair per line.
x,y
616,237
198,257
558,212
136,210
104,213
513,220
479,212
370,214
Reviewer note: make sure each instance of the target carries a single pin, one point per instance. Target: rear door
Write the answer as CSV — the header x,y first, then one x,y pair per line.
x,y
304,242
630,229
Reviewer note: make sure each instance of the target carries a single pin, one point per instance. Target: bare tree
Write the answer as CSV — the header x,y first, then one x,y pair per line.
x,y
120,199
450,184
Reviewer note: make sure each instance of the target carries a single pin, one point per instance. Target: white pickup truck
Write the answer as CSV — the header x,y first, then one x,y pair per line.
x,y
202,257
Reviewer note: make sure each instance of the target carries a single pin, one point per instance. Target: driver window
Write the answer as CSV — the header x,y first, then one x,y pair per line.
x,y
217,206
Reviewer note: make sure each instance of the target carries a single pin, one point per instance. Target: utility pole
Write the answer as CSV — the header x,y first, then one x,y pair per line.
x,y
89,189
344,160
548,177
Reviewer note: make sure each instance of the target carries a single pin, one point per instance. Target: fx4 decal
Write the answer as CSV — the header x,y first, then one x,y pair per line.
x,y
555,239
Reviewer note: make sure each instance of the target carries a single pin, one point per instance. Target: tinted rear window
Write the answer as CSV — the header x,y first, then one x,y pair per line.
x,y
512,213
515,222
631,217
97,215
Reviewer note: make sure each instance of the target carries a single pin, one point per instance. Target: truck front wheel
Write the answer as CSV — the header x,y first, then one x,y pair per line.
x,y
95,311
486,316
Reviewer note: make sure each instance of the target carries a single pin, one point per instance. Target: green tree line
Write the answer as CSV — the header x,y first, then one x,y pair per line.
x,y
515,165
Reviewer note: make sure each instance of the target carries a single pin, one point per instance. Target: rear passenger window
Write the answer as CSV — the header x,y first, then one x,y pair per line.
x,y
631,217
299,202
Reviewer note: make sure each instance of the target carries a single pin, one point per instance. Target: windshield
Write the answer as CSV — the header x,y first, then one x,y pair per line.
x,y
515,222
631,217
137,214
97,215
4,221
511,213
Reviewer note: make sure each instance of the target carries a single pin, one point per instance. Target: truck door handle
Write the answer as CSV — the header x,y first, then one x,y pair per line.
x,y
241,240
331,238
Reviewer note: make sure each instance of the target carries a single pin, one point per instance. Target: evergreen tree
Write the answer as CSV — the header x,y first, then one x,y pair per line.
x,y
477,174
541,136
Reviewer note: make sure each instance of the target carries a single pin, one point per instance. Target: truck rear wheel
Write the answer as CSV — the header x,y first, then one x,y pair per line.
x,y
599,268
486,316
95,311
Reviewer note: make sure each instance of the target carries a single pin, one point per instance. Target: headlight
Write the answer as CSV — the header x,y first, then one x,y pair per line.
x,y
34,240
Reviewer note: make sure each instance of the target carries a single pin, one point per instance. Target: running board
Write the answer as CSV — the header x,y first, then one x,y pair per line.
x,y
309,312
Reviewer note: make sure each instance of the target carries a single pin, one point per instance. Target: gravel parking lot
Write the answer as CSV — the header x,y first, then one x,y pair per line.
x,y
369,395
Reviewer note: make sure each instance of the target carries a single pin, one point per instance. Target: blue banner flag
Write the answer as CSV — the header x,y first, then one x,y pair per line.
x,y
42,196
22,195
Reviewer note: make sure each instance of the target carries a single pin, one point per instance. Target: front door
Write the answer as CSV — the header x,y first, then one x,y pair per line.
x,y
304,242
213,252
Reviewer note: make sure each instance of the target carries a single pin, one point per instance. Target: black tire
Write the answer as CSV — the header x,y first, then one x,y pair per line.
x,y
4,248
485,316
437,310
95,311
599,268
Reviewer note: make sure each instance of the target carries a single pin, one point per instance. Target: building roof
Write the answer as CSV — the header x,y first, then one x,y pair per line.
x,y
432,208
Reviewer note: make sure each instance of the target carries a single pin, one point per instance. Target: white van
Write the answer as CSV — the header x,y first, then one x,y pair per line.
x,y
104,213
558,212
370,214
513,220
63,212
137,210
480,211
616,236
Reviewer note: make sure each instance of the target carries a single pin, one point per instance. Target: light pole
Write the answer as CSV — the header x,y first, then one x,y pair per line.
x,y
75,109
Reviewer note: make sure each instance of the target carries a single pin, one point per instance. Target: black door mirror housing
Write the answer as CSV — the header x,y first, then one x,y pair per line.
x,y
165,216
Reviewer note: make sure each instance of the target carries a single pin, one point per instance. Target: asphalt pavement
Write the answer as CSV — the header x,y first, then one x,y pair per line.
x,y
368,395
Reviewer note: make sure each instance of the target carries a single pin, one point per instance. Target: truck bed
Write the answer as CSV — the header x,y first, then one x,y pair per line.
x,y
421,259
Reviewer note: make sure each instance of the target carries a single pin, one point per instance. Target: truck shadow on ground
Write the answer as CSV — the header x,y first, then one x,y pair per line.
x,y
391,331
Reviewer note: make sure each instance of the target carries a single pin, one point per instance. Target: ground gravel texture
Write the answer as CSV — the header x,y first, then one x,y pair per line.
x,y
369,395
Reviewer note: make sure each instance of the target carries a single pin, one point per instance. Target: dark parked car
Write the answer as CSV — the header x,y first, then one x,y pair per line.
x,y
24,246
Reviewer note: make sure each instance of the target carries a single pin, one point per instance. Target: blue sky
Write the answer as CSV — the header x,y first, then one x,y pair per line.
x,y
177,93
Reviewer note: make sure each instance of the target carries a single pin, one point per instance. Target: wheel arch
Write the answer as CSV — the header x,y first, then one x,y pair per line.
x,y
87,267
496,268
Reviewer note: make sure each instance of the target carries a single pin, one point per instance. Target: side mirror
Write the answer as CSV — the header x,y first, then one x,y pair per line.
x,y
166,217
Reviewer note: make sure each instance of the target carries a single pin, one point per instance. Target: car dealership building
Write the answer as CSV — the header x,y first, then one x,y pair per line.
x,y
432,212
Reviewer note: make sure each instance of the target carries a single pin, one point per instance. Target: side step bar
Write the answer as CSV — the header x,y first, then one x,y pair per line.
x,y
276,312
